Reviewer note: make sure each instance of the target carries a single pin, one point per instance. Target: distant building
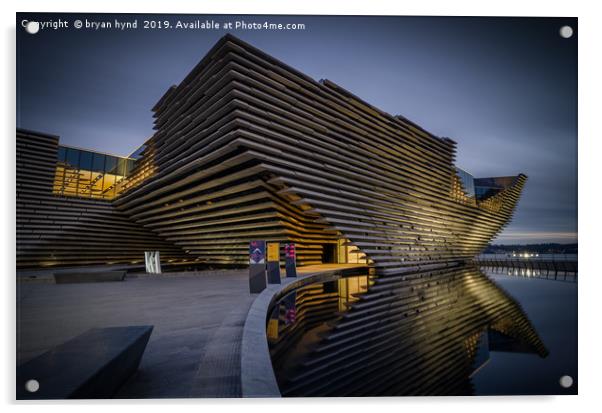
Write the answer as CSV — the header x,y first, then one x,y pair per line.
x,y
248,148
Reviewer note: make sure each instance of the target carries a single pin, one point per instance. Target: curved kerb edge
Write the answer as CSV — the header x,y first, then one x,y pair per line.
x,y
256,371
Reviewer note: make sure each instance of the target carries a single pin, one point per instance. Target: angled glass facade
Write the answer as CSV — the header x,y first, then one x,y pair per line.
x,y
488,187
467,181
88,174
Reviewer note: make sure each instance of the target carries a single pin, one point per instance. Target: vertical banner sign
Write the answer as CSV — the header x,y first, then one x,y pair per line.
x,y
290,260
257,252
152,260
257,280
273,252
273,263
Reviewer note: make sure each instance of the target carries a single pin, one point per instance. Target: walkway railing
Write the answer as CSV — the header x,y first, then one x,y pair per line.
x,y
548,263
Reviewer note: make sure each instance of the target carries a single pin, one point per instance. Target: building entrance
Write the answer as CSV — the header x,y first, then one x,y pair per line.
x,y
329,254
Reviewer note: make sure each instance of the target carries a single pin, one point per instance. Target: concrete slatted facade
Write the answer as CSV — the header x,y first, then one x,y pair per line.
x,y
249,148
69,231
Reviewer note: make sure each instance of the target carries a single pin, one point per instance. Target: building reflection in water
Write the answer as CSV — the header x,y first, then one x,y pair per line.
x,y
424,333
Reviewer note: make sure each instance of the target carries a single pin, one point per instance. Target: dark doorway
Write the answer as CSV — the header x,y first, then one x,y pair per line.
x,y
329,253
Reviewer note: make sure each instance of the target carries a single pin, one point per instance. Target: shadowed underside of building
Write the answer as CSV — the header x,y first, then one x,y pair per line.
x,y
248,148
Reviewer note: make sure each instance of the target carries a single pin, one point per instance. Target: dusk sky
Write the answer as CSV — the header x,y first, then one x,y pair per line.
x,y
505,89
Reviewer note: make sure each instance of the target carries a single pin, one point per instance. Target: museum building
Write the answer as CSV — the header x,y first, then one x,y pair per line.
x,y
248,148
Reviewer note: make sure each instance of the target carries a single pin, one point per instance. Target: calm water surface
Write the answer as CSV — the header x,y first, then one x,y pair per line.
x,y
552,308
453,331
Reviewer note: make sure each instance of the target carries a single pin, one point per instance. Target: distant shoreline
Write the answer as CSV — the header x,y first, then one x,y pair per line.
x,y
544,248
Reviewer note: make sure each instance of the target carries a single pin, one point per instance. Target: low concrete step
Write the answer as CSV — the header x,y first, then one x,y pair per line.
x,y
88,277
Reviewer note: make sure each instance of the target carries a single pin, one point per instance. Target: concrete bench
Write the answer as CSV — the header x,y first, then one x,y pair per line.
x,y
92,365
88,277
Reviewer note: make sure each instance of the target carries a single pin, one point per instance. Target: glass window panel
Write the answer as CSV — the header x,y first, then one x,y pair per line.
x,y
70,183
467,182
83,187
121,165
130,167
119,182
89,174
138,152
85,160
111,164
62,153
98,162
72,157
108,189
97,185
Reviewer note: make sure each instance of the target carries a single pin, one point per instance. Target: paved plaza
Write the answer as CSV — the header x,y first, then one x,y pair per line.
x,y
194,350
198,319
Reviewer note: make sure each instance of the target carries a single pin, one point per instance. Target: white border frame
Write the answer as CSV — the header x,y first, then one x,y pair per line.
x,y
590,72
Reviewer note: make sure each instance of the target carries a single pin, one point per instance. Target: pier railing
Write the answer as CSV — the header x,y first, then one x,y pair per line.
x,y
548,263
528,273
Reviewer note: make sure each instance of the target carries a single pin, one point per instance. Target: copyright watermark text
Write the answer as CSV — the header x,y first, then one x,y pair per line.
x,y
159,24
